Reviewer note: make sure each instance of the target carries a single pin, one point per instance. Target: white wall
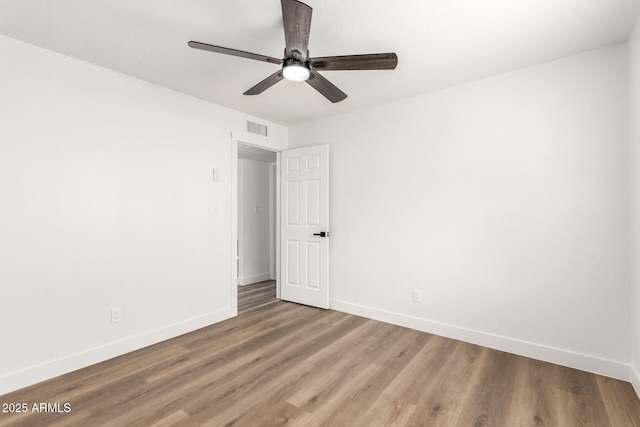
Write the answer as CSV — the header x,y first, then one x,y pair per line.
x,y
253,221
505,201
106,200
634,74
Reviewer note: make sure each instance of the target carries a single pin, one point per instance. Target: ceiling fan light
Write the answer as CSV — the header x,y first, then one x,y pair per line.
x,y
295,72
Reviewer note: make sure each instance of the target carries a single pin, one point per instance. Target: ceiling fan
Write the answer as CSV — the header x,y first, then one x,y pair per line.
x,y
296,64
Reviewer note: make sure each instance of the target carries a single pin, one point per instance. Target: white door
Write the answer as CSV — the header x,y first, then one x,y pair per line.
x,y
304,225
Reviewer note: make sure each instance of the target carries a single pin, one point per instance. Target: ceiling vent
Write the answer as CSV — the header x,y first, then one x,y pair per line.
x,y
256,128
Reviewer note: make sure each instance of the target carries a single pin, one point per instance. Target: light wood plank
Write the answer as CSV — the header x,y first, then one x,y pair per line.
x,y
620,401
288,364
256,295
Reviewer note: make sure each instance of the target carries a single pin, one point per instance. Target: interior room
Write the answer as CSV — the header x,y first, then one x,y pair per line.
x,y
256,227
467,185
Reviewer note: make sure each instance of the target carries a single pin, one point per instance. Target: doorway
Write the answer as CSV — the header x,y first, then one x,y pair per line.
x,y
256,243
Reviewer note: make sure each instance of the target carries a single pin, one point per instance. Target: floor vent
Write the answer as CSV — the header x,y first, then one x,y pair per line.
x,y
256,128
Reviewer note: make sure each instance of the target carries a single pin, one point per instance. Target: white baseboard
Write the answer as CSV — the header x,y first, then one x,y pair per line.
x,y
585,362
255,278
635,379
35,374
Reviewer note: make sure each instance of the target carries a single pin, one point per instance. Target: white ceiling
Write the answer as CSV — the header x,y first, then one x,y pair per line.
x,y
253,153
439,43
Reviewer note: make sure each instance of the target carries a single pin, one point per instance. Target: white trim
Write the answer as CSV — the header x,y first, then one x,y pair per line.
x,y
254,278
277,236
239,216
47,370
233,302
585,362
635,379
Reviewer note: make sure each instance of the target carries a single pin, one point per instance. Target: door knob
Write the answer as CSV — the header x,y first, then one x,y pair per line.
x,y
321,234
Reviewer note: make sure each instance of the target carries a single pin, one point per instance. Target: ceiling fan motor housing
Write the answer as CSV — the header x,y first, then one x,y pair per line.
x,y
295,70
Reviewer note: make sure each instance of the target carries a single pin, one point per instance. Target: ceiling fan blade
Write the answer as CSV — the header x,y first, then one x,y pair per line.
x,y
265,84
370,61
234,52
296,18
325,87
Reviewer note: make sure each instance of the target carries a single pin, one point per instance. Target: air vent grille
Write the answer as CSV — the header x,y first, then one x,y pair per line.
x,y
256,128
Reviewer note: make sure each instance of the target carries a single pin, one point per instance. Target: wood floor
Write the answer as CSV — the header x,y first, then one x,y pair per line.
x,y
256,295
284,363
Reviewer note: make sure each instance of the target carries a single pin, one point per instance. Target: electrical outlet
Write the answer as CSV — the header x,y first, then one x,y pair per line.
x,y
116,315
417,295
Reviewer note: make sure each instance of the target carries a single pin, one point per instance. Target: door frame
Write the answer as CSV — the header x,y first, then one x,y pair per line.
x,y
234,217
